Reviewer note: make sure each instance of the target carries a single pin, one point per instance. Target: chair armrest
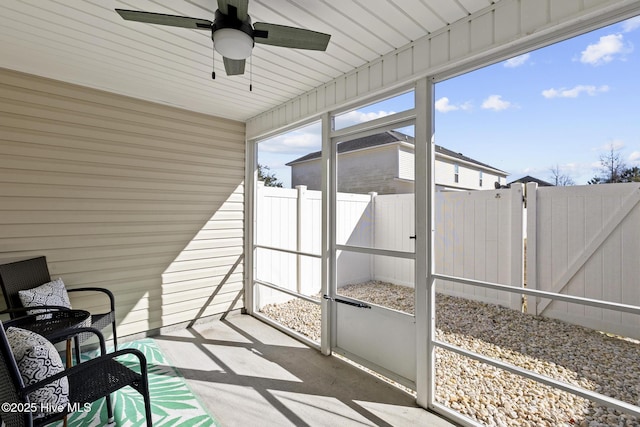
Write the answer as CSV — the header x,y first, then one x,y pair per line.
x,y
86,366
93,289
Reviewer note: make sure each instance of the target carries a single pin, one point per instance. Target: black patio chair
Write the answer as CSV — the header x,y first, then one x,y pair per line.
x,y
88,381
30,273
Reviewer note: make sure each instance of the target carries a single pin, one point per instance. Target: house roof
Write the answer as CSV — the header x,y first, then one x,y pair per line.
x,y
529,178
390,137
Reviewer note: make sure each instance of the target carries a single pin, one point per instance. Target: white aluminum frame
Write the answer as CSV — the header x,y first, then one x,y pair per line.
x,y
251,283
372,127
579,391
424,205
422,117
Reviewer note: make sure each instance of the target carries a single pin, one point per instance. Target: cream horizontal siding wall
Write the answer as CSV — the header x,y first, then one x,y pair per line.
x,y
143,199
468,175
504,29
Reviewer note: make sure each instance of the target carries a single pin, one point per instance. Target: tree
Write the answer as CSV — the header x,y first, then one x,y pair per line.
x,y
631,174
595,180
269,178
559,178
612,168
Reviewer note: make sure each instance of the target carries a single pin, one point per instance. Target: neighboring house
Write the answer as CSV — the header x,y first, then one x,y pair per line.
x,y
384,163
528,178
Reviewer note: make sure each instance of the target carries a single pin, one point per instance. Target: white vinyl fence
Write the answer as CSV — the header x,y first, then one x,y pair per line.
x,y
288,219
581,240
587,244
291,219
479,235
475,235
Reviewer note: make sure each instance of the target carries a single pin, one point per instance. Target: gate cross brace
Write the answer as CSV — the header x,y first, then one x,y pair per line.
x,y
627,206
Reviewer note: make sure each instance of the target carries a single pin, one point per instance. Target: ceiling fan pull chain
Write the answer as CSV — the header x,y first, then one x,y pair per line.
x,y
233,34
250,74
213,64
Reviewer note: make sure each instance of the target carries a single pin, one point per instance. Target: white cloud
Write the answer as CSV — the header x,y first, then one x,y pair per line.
x,y
567,168
571,167
574,92
443,105
631,24
496,103
517,61
581,172
635,157
605,50
614,144
295,143
301,141
307,140
354,117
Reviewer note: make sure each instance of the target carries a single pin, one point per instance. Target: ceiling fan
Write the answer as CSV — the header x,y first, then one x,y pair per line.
x,y
232,33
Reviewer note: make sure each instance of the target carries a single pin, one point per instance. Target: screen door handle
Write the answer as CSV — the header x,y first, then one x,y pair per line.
x,y
344,301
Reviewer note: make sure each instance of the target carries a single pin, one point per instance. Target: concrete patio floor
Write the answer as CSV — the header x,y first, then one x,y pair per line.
x,y
248,373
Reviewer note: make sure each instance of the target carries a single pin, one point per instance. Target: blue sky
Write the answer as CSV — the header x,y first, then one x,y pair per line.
x,y
563,105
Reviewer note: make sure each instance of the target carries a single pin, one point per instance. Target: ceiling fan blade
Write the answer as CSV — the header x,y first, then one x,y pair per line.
x,y
297,38
162,19
234,67
241,6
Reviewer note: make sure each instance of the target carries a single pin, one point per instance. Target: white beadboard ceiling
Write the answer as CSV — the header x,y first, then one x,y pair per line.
x,y
87,43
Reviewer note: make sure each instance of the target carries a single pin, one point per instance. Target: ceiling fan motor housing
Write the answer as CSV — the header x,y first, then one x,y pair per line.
x,y
233,34
232,38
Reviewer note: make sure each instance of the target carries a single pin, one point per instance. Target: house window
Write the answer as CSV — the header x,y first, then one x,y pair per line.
x,y
455,173
480,180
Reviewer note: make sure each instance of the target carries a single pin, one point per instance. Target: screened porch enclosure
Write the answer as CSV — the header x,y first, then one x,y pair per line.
x,y
474,313
126,165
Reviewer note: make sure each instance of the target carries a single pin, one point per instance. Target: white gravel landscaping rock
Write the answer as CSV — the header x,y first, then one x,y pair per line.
x,y
606,364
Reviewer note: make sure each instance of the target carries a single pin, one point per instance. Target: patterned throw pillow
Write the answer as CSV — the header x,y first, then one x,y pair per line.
x,y
52,293
38,359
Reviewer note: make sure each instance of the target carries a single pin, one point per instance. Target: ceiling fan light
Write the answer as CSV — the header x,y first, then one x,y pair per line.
x,y
232,44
